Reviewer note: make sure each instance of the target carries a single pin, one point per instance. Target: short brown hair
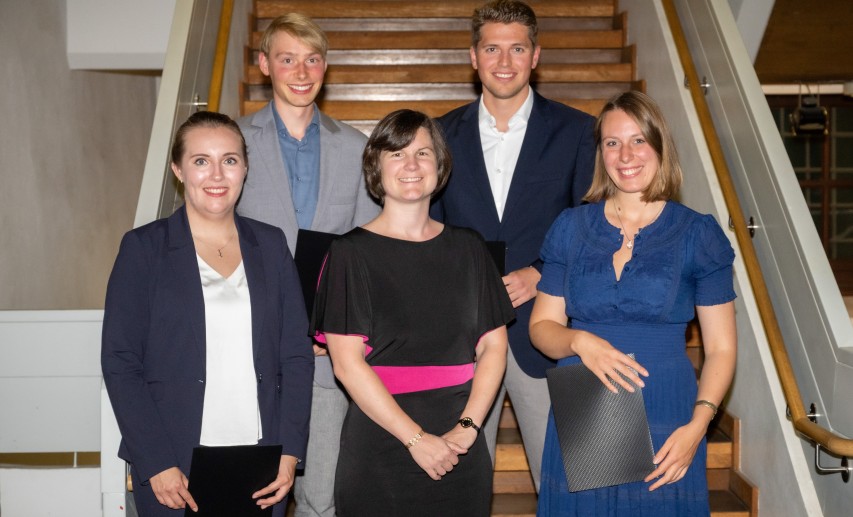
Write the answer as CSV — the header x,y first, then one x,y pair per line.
x,y
205,119
299,26
647,114
506,12
394,132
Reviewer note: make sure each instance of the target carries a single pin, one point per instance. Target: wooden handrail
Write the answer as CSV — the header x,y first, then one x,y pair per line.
x,y
826,438
218,73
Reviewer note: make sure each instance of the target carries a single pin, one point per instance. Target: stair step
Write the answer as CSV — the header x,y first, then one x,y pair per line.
x,y
725,504
354,111
459,39
459,73
719,451
407,9
514,505
433,56
513,482
510,451
440,91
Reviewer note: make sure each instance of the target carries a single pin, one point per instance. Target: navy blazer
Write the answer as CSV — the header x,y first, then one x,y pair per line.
x,y
153,347
553,172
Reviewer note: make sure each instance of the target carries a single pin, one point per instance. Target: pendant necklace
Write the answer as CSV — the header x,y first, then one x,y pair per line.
x,y
630,242
219,250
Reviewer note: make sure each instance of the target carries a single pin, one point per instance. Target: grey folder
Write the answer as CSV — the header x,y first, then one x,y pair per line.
x,y
604,436
223,479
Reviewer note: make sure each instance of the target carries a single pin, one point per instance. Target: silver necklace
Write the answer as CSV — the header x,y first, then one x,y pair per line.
x,y
630,242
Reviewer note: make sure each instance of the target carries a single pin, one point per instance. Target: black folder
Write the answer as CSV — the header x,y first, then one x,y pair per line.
x,y
604,436
311,249
223,479
497,249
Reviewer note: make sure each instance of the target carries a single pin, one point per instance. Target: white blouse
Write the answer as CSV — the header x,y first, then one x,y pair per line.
x,y
231,414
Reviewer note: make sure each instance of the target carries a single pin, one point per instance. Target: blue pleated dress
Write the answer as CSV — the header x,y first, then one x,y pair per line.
x,y
681,260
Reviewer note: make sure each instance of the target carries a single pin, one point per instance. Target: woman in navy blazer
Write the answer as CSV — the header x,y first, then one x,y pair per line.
x,y
170,360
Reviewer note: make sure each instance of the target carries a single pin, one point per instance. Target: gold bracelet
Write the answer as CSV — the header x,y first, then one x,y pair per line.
x,y
707,404
415,439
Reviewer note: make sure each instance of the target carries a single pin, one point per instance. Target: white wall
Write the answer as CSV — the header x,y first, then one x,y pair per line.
x,y
50,492
752,17
50,379
118,34
73,145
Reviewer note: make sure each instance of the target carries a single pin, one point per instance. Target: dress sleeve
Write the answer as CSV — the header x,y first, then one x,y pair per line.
x,y
495,308
342,303
713,264
554,254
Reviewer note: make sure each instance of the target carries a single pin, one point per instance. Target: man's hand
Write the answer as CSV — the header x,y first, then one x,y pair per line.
x,y
521,285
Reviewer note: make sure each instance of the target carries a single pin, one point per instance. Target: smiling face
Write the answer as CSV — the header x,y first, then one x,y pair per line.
x,y
630,161
212,170
295,69
504,59
410,174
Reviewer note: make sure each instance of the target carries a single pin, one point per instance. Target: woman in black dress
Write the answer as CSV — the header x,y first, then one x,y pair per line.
x,y
407,305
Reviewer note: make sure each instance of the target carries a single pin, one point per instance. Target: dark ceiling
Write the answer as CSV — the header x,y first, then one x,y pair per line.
x,y
807,41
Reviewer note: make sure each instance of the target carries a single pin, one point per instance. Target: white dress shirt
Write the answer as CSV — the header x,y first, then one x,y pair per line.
x,y
501,149
231,413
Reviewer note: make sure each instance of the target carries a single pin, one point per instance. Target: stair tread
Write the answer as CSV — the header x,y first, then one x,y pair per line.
x,y
460,39
725,503
375,110
513,505
406,9
459,73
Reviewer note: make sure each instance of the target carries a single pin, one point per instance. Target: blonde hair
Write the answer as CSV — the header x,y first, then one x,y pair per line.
x,y
646,113
299,26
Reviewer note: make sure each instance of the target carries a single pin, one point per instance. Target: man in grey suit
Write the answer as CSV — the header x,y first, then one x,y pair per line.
x,y
305,172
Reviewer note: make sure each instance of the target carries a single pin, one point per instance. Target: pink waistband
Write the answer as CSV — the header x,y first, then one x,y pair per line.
x,y
407,379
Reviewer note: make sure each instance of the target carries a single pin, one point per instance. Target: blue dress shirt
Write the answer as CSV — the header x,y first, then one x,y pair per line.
x,y
302,161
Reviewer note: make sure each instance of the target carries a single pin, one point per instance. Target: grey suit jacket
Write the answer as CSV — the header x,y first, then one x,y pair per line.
x,y
342,203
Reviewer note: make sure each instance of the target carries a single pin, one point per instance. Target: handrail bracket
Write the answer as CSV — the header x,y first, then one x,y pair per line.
x,y
845,467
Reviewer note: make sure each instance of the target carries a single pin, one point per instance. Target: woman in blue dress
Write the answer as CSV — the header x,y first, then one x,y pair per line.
x,y
628,269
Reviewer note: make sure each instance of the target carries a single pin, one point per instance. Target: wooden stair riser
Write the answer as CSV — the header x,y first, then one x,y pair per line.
x,y
551,42
459,73
406,9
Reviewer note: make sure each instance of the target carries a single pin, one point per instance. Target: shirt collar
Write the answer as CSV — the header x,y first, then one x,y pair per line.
x,y
279,124
523,113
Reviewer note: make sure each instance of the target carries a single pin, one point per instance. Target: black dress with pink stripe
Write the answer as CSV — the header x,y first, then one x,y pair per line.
x,y
421,308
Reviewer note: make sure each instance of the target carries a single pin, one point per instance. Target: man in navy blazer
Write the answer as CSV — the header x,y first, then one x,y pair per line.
x,y
154,353
519,159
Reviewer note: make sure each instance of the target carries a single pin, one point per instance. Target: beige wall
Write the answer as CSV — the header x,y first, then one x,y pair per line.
x,y
72,151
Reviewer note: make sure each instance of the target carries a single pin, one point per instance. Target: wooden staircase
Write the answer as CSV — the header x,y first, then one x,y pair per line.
x,y
387,54
390,54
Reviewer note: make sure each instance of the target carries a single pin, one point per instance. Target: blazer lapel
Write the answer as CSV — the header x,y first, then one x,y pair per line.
x,y
535,140
470,158
328,162
182,257
269,163
253,264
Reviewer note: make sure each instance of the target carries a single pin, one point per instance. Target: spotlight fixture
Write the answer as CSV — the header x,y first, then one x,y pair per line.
x,y
810,118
